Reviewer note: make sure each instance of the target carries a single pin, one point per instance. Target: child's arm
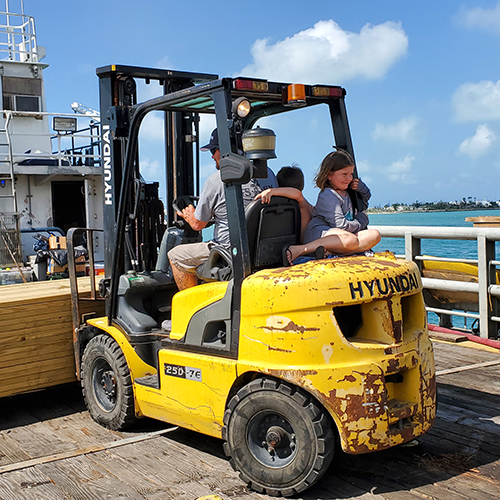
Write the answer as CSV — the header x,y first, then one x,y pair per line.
x,y
359,186
330,209
286,192
294,194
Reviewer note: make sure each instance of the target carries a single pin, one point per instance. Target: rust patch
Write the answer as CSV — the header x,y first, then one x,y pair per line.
x,y
294,376
351,408
290,327
334,304
393,365
398,330
271,348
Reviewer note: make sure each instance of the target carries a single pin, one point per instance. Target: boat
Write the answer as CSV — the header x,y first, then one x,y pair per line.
x,y
454,271
50,168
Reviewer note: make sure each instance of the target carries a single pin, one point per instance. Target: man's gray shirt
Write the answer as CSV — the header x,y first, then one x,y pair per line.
x,y
212,204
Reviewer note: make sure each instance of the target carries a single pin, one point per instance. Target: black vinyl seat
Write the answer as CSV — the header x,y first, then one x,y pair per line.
x,y
270,227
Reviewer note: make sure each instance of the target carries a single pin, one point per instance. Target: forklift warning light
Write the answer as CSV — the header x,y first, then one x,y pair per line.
x,y
327,91
260,85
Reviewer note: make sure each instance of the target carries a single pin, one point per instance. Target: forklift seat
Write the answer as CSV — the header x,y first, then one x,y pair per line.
x,y
270,227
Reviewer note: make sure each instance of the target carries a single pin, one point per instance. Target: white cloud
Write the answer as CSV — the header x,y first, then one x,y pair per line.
x,y
207,124
403,131
151,170
477,101
487,19
478,144
152,127
364,170
400,171
326,53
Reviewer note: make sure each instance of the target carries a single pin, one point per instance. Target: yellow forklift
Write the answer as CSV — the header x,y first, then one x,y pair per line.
x,y
282,363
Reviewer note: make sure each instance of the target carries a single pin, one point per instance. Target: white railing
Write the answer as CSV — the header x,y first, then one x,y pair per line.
x,y
487,289
66,149
18,38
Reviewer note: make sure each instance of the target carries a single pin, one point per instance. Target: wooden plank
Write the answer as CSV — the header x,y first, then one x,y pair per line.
x,y
12,316
468,398
38,343
470,418
29,485
25,346
30,370
145,484
45,374
475,366
41,291
82,451
447,337
10,451
82,478
21,335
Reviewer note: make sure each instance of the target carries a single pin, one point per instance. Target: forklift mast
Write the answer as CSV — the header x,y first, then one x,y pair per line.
x,y
118,97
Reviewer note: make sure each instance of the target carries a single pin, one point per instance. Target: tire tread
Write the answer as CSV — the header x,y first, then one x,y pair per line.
x,y
321,425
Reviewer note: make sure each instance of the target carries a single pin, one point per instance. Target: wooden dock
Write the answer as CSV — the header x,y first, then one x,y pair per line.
x,y
50,449
36,334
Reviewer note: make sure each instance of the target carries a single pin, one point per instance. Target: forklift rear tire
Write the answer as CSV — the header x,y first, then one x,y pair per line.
x,y
106,384
278,437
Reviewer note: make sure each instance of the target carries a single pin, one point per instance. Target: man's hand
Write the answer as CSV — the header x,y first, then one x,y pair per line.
x,y
188,215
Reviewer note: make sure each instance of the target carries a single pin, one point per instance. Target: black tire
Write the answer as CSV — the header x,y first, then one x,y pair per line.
x,y
272,412
106,384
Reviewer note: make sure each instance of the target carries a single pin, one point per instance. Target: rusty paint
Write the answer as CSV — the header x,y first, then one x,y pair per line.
x,y
398,330
290,327
271,348
393,366
334,304
348,378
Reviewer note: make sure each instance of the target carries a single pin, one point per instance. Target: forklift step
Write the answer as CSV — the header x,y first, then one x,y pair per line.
x,y
149,381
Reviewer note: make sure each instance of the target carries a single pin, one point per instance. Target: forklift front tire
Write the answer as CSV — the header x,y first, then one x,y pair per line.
x,y
278,437
106,384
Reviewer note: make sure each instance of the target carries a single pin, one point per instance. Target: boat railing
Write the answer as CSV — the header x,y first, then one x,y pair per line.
x,y
78,147
18,38
487,308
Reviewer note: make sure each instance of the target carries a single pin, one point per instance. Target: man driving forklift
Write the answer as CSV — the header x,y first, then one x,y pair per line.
x,y
185,259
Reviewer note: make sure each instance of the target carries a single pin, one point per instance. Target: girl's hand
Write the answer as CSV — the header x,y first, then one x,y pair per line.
x,y
354,184
265,196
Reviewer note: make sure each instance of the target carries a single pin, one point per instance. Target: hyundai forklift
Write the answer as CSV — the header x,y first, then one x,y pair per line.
x,y
285,364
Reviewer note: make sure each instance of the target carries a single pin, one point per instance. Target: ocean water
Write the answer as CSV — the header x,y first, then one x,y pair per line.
x,y
441,248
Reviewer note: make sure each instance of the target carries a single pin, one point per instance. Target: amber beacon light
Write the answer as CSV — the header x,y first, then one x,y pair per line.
x,y
296,95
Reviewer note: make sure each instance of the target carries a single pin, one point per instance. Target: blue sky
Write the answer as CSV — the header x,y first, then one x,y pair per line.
x,y
422,78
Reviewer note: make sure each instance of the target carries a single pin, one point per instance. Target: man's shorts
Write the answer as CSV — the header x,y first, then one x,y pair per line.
x,y
189,257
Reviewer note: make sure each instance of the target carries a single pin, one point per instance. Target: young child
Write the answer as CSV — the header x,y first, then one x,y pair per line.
x,y
291,183
335,225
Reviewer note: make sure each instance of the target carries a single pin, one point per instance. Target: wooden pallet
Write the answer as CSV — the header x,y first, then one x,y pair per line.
x,y
36,340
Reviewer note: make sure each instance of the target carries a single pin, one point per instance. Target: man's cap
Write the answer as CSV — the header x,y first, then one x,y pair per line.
x,y
214,142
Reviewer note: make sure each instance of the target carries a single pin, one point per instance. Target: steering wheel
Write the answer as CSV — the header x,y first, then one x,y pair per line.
x,y
183,201
179,204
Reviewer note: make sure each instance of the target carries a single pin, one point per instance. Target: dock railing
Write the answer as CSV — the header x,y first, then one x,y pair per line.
x,y
77,149
487,309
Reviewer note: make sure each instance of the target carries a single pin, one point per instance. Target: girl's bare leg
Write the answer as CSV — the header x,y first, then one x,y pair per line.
x,y
367,239
336,241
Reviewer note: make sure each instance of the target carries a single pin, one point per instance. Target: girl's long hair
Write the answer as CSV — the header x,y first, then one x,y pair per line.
x,y
336,160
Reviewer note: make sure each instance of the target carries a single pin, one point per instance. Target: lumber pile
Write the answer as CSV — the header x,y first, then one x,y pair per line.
x,y
36,339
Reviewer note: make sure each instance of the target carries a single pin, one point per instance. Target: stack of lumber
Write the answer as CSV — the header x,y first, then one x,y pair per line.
x,y
36,338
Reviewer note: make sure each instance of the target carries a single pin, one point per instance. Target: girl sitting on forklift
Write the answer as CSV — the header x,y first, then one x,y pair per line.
x,y
333,224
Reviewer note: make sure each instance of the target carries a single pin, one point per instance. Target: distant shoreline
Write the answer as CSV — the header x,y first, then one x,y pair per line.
x,y
384,212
